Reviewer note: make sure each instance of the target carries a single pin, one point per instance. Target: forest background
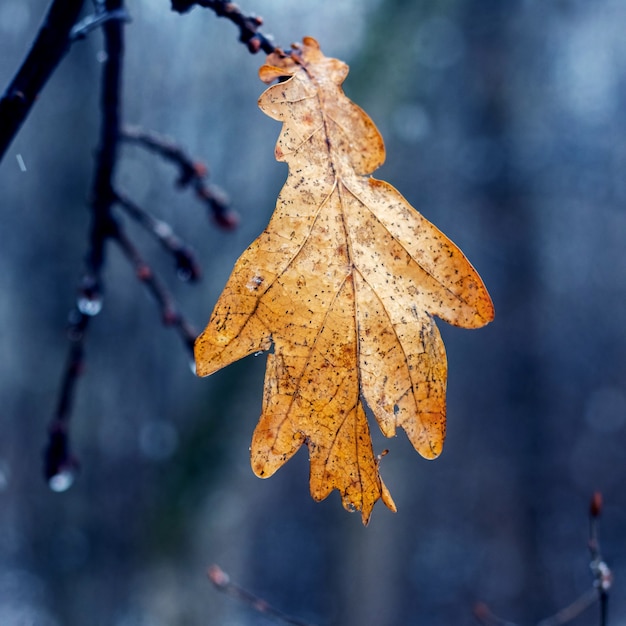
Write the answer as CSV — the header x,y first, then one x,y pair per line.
x,y
504,125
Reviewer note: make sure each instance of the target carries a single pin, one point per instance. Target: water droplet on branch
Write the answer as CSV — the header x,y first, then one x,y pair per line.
x,y
89,305
184,273
62,480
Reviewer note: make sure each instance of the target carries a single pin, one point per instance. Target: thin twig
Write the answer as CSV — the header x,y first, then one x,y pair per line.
x,y
49,47
186,263
60,465
572,611
191,173
602,575
222,582
169,311
249,33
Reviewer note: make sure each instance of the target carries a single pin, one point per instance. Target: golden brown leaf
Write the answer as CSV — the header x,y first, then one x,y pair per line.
x,y
340,288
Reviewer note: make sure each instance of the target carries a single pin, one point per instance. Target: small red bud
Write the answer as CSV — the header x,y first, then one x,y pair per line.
x,y
170,317
144,272
200,169
254,44
228,220
595,506
218,576
481,612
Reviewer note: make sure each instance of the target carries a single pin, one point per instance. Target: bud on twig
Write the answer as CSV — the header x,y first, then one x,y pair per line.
x,y
595,506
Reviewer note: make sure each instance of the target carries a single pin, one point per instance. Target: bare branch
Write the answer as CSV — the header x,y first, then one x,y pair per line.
x,y
110,15
248,25
49,47
103,226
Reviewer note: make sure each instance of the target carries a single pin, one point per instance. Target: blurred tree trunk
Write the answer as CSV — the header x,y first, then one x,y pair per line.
x,y
496,42
476,102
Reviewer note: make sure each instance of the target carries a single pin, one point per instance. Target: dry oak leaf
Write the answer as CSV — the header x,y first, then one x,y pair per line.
x,y
340,288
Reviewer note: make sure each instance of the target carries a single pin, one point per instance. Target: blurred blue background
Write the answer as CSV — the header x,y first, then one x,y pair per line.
x,y
504,125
